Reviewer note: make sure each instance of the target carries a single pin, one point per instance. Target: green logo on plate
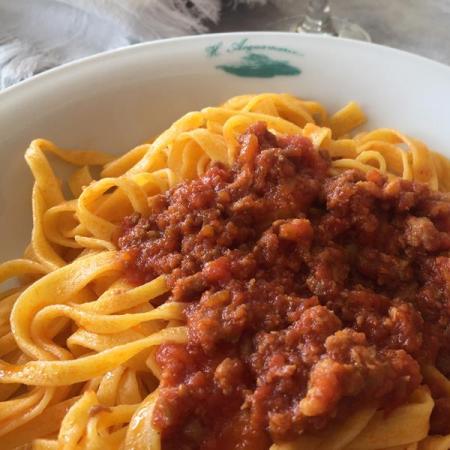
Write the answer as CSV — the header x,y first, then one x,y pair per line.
x,y
255,60
261,66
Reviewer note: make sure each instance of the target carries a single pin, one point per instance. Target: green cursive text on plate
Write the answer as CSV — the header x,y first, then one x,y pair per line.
x,y
255,60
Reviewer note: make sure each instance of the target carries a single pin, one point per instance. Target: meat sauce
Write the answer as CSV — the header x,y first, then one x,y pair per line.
x,y
306,294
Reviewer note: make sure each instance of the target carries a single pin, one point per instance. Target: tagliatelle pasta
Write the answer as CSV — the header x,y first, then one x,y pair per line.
x,y
79,337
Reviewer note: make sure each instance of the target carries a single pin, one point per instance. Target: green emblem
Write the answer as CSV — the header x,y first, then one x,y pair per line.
x,y
260,66
255,60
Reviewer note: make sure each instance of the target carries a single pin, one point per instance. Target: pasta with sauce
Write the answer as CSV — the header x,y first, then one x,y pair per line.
x,y
94,334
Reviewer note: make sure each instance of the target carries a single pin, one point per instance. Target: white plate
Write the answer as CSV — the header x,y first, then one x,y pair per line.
x,y
117,99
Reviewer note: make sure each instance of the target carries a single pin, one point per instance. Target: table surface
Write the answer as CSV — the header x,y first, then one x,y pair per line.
x,y
418,26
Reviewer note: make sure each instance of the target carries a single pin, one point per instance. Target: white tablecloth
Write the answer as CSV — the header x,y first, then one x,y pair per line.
x,y
38,34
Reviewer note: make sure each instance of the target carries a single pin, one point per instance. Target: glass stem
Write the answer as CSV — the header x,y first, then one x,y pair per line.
x,y
318,18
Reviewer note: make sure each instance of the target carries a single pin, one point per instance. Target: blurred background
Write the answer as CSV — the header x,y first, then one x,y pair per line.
x,y
418,26
39,34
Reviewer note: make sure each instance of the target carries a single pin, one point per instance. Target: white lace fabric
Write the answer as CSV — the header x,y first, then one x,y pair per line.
x,y
36,35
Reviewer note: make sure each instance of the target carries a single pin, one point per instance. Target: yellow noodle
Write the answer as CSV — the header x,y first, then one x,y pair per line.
x,y
78,341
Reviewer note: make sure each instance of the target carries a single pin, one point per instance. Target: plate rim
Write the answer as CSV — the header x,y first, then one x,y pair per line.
x,y
96,58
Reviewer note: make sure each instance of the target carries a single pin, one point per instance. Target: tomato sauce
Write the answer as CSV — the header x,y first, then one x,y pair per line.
x,y
307,294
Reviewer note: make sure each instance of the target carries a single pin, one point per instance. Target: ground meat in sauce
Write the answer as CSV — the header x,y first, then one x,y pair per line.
x,y
307,294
